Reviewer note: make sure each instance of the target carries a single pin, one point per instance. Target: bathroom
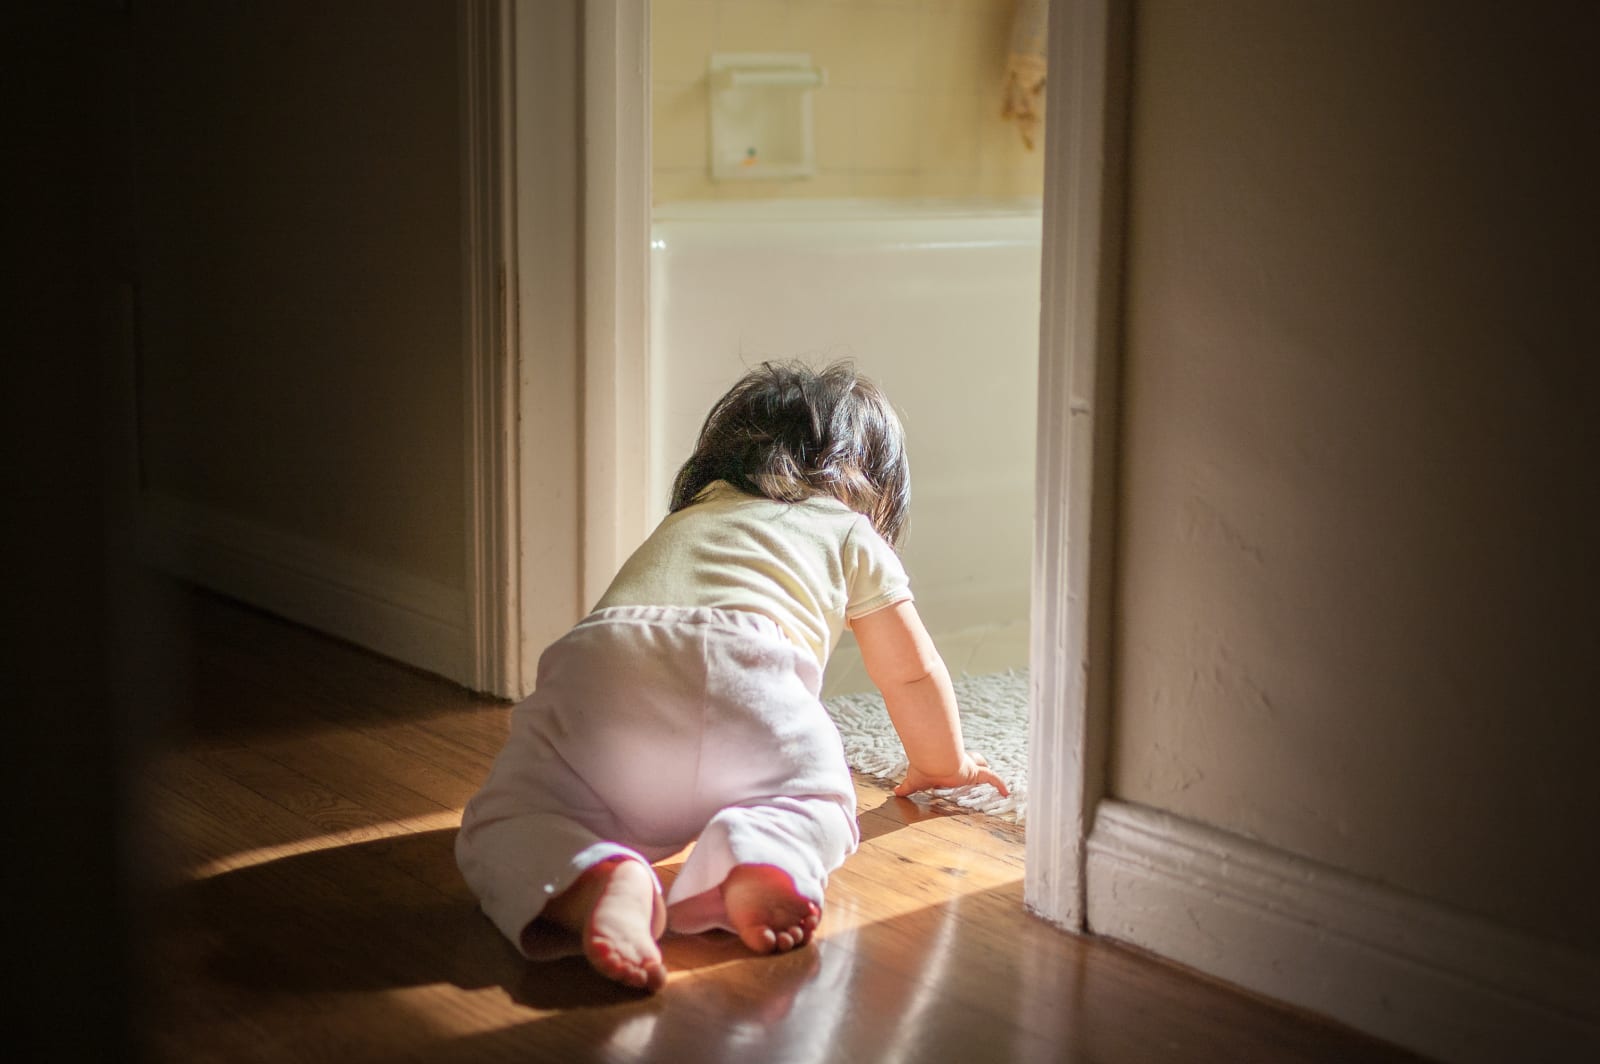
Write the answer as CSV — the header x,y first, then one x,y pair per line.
x,y
866,199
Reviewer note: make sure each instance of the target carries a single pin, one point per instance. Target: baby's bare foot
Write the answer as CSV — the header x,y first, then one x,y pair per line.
x,y
766,911
612,907
619,939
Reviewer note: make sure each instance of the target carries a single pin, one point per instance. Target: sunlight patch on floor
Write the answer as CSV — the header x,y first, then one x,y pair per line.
x,y
444,819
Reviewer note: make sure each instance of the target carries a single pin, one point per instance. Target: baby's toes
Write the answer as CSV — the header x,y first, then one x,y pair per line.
x,y
801,933
653,975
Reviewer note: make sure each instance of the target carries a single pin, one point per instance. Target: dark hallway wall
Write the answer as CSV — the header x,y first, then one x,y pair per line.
x,y
65,133
1356,614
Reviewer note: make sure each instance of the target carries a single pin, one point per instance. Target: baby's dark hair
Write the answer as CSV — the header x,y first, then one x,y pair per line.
x,y
788,432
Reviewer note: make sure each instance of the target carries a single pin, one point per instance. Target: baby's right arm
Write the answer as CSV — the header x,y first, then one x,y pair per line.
x,y
901,659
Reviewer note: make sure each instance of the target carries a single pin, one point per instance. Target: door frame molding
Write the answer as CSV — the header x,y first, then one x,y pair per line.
x,y
605,376
542,277
1074,504
616,294
490,345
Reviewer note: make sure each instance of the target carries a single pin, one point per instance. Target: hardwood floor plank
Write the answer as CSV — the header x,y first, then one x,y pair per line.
x,y
305,906
389,786
309,799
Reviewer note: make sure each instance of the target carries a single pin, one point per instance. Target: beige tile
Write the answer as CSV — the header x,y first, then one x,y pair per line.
x,y
753,26
886,133
994,46
1023,183
890,35
1008,169
1000,145
959,51
759,188
679,126
885,186
682,36
819,29
1001,8
949,184
837,4
833,114
677,186
949,141
863,47
998,8
825,185
821,186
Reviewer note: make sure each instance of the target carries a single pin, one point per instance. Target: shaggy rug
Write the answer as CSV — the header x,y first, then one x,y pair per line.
x,y
994,722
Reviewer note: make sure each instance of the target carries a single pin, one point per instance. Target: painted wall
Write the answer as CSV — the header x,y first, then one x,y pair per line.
x,y
911,108
299,271
1355,617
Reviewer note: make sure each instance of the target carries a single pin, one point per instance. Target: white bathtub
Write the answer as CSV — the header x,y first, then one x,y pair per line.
x,y
938,302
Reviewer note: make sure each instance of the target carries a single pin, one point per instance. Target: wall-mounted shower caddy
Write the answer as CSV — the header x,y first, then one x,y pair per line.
x,y
761,116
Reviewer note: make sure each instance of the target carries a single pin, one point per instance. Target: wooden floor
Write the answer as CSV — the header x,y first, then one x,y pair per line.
x,y
304,906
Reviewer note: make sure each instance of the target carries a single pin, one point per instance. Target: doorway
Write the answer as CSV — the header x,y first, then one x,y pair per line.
x,y
907,241
1070,570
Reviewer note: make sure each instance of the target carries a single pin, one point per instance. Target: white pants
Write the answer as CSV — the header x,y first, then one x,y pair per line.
x,y
650,728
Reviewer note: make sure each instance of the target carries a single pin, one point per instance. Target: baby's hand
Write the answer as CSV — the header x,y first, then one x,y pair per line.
x,y
974,768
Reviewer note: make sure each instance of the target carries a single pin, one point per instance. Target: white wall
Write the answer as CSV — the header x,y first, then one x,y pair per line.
x,y
1355,609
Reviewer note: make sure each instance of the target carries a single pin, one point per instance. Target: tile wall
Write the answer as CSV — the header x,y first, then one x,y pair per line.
x,y
911,107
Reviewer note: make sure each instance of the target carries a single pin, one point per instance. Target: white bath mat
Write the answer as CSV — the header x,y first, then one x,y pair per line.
x,y
994,721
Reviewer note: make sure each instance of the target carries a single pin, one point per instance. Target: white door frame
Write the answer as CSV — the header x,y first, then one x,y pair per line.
x,y
604,375
556,226
489,245
1079,348
616,245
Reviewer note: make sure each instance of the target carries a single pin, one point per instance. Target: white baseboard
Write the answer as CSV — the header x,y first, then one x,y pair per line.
x,y
413,620
1397,966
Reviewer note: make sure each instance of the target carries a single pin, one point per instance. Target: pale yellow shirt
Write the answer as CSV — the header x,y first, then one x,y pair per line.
x,y
811,566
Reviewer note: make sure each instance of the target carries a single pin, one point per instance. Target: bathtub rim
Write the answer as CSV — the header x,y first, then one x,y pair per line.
x,y
714,211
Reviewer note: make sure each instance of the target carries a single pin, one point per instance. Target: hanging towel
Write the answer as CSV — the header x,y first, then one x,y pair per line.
x,y
1025,68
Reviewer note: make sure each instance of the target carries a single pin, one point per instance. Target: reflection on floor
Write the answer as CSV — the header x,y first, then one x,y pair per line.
x,y
303,905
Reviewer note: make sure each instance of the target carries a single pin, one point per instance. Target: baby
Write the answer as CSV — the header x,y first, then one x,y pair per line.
x,y
685,707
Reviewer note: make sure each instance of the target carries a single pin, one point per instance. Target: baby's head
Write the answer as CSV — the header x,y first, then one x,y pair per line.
x,y
788,432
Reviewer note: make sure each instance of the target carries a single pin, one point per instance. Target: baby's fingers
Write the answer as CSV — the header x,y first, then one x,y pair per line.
x,y
984,774
987,775
913,783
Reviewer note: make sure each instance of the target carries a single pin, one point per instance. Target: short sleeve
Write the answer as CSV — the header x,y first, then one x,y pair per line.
x,y
874,577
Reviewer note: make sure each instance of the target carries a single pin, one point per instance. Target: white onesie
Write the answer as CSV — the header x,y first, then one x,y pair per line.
x,y
685,709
